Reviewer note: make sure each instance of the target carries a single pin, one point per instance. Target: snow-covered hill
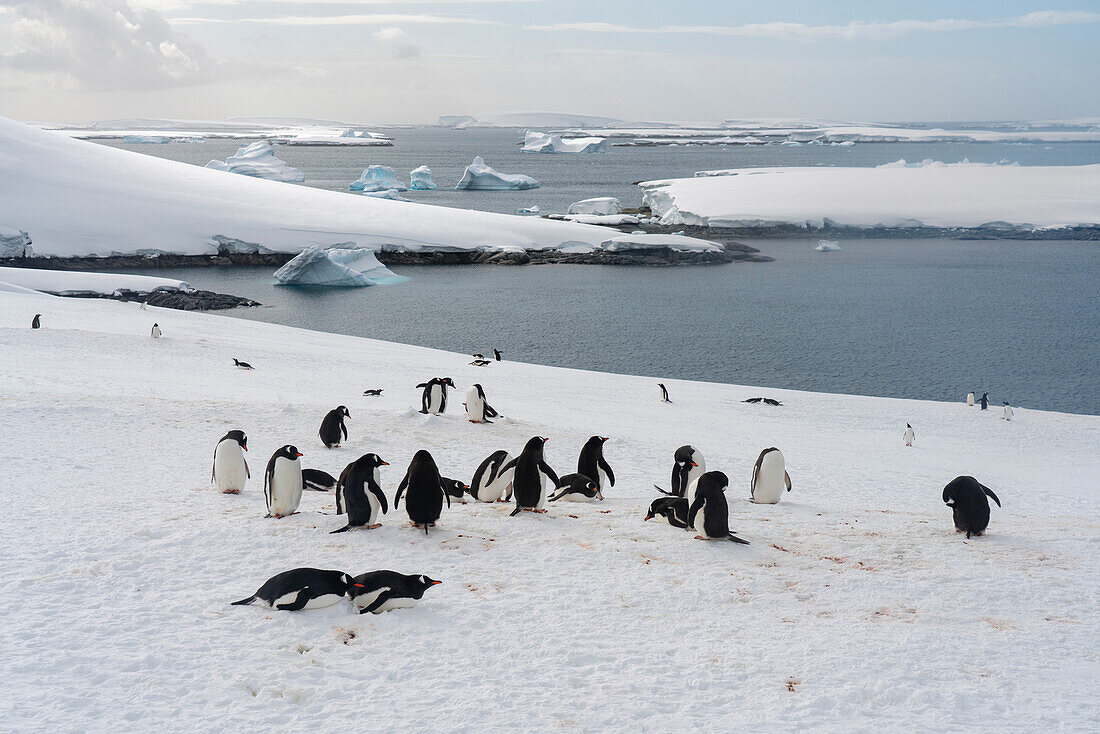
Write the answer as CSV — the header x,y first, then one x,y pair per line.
x,y
856,607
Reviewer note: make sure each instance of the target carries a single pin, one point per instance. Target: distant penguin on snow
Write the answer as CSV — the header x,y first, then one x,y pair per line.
x,y
592,464
498,355
966,497
434,398
984,401
317,480
155,332
530,474
970,399
283,482
423,490
230,471
242,365
673,509
576,488
36,322
373,393
709,512
381,591
478,409
688,465
491,483
359,493
908,436
664,393
1008,411
332,427
302,588
769,477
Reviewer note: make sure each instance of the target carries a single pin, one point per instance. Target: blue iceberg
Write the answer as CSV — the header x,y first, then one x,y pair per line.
x,y
479,177
377,178
420,179
258,160
340,266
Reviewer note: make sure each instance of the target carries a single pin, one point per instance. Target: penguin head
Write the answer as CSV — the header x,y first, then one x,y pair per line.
x,y
714,480
290,452
908,426
447,382
685,456
239,437
535,444
426,582
342,410
373,460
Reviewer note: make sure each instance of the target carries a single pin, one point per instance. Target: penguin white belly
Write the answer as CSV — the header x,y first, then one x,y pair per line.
x,y
435,400
701,520
769,480
325,600
909,437
542,492
365,600
692,486
230,472
576,497
375,507
475,406
970,399
602,480
494,490
286,487
402,603
1008,413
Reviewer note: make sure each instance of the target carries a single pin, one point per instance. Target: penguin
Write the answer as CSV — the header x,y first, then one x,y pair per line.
x,y
966,497
242,365
283,482
1008,411
425,493
709,513
144,306
490,482
359,493
381,591
592,464
984,401
434,399
36,322
477,409
302,588
155,332
480,363
373,393
230,470
664,393
333,426
497,354
908,436
673,509
478,356
970,399
765,401
576,488
769,476
317,480
456,488
688,465
530,472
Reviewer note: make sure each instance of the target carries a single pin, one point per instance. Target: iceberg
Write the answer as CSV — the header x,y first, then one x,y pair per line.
x,y
146,139
393,194
530,209
340,266
827,246
479,177
420,179
258,160
599,205
377,178
545,143
13,242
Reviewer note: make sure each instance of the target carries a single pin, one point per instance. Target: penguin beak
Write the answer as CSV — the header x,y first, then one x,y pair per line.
x,y
648,517
299,454
694,464
358,586
385,463
436,583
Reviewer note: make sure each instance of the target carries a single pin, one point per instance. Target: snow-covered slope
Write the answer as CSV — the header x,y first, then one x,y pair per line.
x,y
63,282
891,195
856,608
78,198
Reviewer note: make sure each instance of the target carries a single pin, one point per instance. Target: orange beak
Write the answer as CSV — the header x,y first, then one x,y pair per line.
x,y
436,582
358,585
385,463
694,464
299,454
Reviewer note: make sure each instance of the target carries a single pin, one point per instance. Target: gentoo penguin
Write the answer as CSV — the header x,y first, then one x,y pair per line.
x,y
984,401
456,488
490,482
688,465
529,479
317,480
434,399
592,464
477,409
673,509
765,401
333,426
381,591
359,493
576,488
302,588
1008,411
36,322
480,363
664,392
155,332
373,393
908,436
478,356
230,470
424,487
709,513
769,477
967,499
497,354
283,482
242,365
970,399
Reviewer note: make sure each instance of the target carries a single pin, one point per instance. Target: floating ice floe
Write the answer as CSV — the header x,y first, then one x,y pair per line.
x,y
480,177
258,160
393,194
827,246
377,178
146,139
611,220
13,242
343,266
598,205
530,210
420,179
545,143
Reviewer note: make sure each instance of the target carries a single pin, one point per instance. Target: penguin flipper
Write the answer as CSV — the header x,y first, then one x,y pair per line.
x,y
787,479
243,602
607,470
400,489
735,539
516,511
558,496
664,491
341,530
247,473
549,472
382,599
992,496
695,507
298,603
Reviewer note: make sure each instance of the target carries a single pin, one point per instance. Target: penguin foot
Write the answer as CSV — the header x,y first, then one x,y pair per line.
x,y
231,491
541,512
374,526
699,537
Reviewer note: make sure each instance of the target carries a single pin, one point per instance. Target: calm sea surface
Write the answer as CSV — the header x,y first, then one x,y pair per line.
x,y
929,319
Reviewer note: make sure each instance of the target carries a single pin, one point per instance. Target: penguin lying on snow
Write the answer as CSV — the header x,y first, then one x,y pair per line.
x,y
966,497
423,489
230,470
673,509
480,363
769,477
576,488
302,588
434,398
765,401
242,365
688,465
709,513
317,480
381,591
332,426
359,493
592,464
529,479
283,482
490,482
455,488
373,393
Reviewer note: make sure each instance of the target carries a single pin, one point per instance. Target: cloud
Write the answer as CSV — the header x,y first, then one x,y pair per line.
x,y
341,20
855,30
396,43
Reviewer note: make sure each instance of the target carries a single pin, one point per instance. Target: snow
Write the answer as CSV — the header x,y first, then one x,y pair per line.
x,y
147,139
544,143
856,607
377,178
258,159
13,242
893,195
351,267
420,179
79,198
394,194
827,246
480,177
282,130
598,205
525,119
66,282
607,220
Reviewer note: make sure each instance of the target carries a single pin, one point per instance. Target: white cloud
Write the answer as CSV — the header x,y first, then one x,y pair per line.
x,y
396,42
341,20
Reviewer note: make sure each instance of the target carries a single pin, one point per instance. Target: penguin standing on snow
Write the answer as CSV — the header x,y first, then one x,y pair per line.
x,y
478,409
230,471
381,591
529,479
673,509
1008,411
333,426
908,436
709,513
769,477
664,393
359,493
155,332
688,465
317,480
592,464
302,588
36,322
490,482
434,398
424,492
970,399
966,497
984,401
497,354
576,488
283,482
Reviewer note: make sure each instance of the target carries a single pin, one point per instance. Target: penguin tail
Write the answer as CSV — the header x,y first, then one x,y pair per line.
x,y
515,511
664,491
243,602
735,539
341,530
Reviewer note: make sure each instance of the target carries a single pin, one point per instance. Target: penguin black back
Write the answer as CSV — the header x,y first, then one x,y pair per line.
x,y
359,494
592,464
423,490
301,588
664,392
530,466
320,481
497,354
36,322
332,427
380,591
966,497
710,507
673,509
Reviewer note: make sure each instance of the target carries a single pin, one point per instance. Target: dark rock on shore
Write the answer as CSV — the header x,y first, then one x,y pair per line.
x,y
196,300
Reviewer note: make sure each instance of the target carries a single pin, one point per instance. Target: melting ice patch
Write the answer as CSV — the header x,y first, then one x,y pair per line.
x,y
341,266
258,160
480,177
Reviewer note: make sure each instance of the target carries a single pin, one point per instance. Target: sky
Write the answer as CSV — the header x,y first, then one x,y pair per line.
x,y
370,61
